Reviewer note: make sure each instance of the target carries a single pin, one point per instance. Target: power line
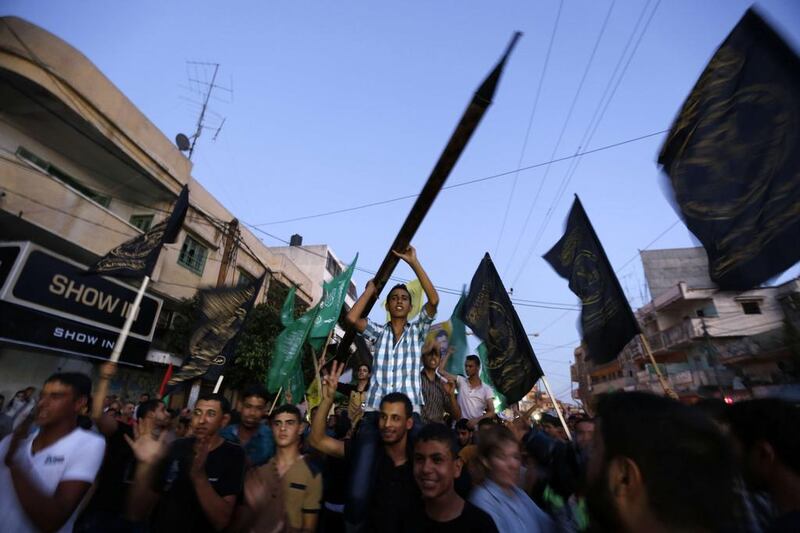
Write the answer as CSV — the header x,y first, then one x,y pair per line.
x,y
561,134
462,183
530,124
570,173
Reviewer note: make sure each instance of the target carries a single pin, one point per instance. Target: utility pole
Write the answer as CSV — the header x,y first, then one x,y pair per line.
x,y
228,251
713,357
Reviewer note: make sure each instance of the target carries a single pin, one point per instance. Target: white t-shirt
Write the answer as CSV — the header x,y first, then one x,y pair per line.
x,y
76,457
472,402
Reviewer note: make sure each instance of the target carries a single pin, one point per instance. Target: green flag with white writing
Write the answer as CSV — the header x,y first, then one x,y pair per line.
x,y
333,293
287,351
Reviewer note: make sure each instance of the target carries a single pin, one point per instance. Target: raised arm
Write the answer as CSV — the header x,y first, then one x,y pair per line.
x,y
105,423
409,255
354,315
443,364
318,438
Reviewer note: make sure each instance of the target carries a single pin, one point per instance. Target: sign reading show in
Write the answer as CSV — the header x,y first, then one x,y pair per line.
x,y
48,301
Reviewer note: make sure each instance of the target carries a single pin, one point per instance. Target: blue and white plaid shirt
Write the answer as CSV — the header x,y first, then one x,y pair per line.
x,y
396,366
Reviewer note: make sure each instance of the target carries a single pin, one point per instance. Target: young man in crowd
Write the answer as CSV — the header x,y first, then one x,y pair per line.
x,y
475,398
45,475
437,392
436,467
767,433
657,465
584,434
396,368
285,493
106,509
143,397
464,433
194,483
251,433
393,494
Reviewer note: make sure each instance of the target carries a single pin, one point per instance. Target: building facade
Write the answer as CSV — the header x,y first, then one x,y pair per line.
x,y
81,171
707,342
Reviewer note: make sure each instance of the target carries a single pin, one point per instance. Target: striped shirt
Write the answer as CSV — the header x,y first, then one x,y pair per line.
x,y
436,399
396,366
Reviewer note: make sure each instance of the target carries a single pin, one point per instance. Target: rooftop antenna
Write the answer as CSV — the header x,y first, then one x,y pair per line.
x,y
187,143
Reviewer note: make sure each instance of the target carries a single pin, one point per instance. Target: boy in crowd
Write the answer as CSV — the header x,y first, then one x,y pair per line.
x,y
436,467
45,475
194,483
251,433
285,492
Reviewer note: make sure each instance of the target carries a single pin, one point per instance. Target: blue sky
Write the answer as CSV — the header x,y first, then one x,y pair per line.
x,y
340,104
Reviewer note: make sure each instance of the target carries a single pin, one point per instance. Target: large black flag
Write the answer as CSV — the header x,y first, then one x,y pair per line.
x,y
488,311
733,157
607,322
222,312
137,257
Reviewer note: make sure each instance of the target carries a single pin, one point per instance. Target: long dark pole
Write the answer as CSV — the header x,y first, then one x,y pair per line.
x,y
455,146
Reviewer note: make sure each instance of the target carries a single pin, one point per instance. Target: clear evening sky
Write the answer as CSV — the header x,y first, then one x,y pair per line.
x,y
340,104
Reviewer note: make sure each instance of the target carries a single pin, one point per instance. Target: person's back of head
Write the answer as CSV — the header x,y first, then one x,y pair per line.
x,y
769,433
658,461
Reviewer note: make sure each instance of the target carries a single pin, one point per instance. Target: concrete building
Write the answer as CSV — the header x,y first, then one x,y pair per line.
x,y
707,342
81,171
318,261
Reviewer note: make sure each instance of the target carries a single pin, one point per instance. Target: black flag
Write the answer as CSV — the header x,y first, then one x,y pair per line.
x,y
733,157
607,322
222,312
137,257
488,311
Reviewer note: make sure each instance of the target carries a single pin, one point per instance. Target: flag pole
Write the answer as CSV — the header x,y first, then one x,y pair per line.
x,y
219,383
126,328
275,401
664,385
558,409
470,119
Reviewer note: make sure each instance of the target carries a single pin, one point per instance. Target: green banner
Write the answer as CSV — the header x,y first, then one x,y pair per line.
x,y
333,293
458,341
286,354
483,354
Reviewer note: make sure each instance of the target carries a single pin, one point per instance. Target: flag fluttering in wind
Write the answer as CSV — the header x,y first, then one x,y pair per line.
x,y
733,161
333,294
222,312
487,310
287,352
458,340
607,322
137,257
483,355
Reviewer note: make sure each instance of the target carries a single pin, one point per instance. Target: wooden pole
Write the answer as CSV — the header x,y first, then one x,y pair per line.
x,y
126,328
455,146
275,401
664,385
558,409
219,383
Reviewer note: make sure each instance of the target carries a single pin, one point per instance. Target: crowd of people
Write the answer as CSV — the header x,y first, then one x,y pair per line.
x,y
405,447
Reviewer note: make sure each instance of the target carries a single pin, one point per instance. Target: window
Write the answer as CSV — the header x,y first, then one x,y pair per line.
x,y
351,291
751,308
709,311
332,266
62,176
193,255
143,222
244,278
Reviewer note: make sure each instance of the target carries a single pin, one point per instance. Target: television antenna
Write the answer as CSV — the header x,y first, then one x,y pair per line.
x,y
207,119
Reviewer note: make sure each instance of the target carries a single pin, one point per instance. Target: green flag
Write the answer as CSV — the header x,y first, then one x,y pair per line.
x,y
296,385
483,354
457,340
286,353
333,293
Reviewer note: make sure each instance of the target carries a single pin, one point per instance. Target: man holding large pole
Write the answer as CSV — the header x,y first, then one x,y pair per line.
x,y
396,368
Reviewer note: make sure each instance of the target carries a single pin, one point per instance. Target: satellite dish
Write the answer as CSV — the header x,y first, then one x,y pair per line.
x,y
182,141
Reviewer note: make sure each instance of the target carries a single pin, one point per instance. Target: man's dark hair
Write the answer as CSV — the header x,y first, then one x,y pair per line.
x,y
287,408
771,420
463,424
439,433
224,404
145,394
475,359
255,390
147,407
399,397
491,421
401,286
80,383
684,459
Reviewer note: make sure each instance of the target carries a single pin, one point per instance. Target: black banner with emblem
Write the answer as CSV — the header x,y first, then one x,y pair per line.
x,y
607,322
222,312
488,311
733,161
